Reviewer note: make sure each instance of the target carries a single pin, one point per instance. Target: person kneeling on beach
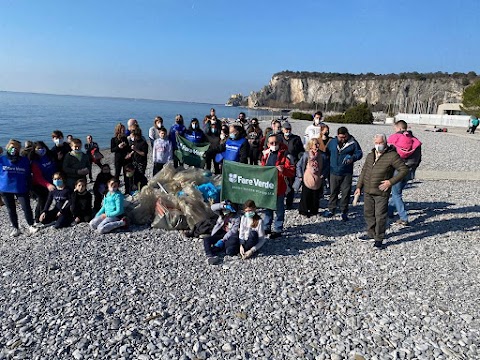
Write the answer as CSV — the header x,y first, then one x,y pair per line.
x,y
110,216
252,234
81,204
224,236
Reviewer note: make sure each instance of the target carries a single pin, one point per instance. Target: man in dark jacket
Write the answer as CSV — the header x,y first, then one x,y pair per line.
x,y
376,180
294,152
343,151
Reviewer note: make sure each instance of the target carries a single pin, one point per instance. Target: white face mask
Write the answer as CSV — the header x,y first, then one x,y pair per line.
x,y
380,147
273,147
222,136
316,121
194,126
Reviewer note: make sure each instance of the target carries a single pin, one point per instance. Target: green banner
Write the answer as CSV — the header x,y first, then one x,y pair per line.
x,y
242,182
190,153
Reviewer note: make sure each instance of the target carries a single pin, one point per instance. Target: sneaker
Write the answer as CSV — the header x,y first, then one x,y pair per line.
x,y
366,238
15,232
344,217
275,235
214,260
32,230
401,222
378,245
327,214
125,222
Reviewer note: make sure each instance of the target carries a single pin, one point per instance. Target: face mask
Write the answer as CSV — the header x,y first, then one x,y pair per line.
x,y
273,147
58,141
129,174
214,131
232,136
316,121
77,151
194,126
112,189
159,126
326,134
250,214
380,147
286,134
12,151
58,182
222,136
132,138
41,152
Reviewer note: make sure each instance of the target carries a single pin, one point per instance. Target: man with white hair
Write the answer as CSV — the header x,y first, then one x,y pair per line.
x,y
376,180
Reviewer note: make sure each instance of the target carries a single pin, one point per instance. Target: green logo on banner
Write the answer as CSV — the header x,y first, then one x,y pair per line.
x,y
190,153
241,182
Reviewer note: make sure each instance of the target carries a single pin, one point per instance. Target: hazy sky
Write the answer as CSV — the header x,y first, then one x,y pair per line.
x,y
205,50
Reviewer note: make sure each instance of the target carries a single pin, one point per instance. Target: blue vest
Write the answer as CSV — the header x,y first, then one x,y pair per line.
x,y
47,167
14,177
193,136
232,149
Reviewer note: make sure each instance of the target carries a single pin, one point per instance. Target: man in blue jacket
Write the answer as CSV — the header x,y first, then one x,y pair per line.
x,y
344,150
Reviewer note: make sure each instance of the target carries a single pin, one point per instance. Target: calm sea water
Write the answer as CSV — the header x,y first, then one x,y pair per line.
x,y
33,117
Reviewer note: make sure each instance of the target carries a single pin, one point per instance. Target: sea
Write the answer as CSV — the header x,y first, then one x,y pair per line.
x,y
27,116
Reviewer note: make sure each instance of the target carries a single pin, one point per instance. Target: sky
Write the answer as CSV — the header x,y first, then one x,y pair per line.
x,y
206,50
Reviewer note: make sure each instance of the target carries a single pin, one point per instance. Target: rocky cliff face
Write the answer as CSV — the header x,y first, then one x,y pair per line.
x,y
409,93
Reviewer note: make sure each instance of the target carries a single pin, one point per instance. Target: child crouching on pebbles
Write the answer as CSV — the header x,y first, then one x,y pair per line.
x,y
60,216
252,235
110,215
224,236
81,205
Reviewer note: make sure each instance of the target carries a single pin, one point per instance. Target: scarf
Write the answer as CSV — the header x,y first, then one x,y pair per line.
x,y
312,158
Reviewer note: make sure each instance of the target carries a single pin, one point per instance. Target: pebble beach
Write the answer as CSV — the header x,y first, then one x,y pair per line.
x,y
315,293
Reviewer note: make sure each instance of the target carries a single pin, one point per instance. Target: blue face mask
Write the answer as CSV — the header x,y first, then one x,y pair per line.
x,y
77,151
232,136
41,152
250,214
58,182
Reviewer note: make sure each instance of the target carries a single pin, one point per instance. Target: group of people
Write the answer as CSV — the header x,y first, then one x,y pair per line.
x,y
58,176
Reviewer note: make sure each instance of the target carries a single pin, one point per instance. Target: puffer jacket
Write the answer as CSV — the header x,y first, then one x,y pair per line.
x,y
337,156
374,173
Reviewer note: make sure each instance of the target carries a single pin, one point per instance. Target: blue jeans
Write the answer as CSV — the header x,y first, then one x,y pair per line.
x,y
396,200
279,216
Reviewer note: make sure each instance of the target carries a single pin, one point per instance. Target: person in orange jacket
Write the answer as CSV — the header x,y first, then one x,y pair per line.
x,y
275,155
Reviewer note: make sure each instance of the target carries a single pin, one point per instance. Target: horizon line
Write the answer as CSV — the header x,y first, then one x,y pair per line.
x,y
110,97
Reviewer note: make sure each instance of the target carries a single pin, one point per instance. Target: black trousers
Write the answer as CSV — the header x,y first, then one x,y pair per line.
x,y
24,200
375,210
253,155
309,201
208,164
42,194
157,167
340,184
231,246
251,241
64,220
